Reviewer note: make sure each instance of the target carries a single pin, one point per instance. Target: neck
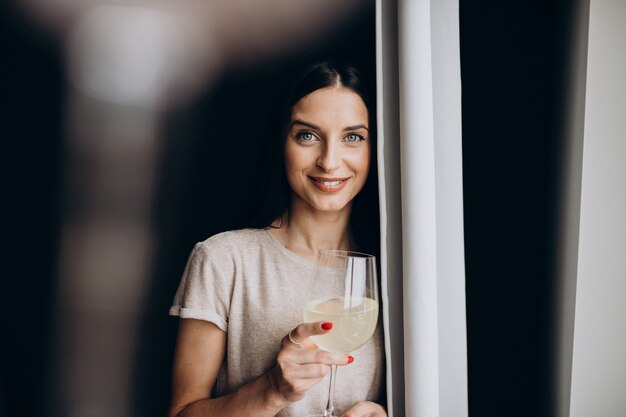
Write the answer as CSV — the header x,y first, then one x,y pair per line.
x,y
307,231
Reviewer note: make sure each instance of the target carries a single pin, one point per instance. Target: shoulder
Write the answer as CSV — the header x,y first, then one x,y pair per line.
x,y
224,254
232,244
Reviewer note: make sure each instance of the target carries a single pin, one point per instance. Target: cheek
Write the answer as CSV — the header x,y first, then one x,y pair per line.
x,y
290,158
295,160
361,162
367,161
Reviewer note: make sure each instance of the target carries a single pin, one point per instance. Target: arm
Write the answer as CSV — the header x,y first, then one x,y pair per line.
x,y
199,354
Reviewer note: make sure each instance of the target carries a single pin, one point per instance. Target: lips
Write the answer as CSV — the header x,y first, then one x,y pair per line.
x,y
329,184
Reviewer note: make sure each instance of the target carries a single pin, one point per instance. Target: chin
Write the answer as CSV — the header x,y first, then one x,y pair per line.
x,y
330,207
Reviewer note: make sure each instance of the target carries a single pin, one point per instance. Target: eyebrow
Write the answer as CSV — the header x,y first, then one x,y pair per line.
x,y
312,126
307,124
355,127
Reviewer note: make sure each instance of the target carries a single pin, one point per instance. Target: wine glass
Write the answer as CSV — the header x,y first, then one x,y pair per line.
x,y
343,291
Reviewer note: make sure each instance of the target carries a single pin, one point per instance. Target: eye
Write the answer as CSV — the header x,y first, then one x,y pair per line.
x,y
306,136
353,137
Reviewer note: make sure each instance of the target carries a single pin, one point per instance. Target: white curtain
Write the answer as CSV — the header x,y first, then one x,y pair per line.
x,y
420,166
598,359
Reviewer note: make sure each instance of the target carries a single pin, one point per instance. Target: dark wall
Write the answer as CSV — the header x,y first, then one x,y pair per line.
x,y
513,64
31,123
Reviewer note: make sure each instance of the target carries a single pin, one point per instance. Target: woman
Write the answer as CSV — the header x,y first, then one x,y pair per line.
x,y
240,349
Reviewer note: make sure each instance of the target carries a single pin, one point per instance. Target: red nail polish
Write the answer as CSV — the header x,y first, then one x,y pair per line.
x,y
350,359
327,326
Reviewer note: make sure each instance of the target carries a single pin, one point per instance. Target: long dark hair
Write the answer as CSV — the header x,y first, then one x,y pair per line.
x,y
270,196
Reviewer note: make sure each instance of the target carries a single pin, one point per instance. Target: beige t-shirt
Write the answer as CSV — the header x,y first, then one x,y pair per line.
x,y
254,289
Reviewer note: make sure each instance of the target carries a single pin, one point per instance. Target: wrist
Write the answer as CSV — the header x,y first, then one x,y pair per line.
x,y
274,399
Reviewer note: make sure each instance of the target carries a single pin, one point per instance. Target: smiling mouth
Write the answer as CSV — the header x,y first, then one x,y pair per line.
x,y
329,184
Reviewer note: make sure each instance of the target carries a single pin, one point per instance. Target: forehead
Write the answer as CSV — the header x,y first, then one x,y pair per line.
x,y
331,104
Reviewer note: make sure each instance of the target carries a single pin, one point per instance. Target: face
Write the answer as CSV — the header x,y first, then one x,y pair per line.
x,y
327,151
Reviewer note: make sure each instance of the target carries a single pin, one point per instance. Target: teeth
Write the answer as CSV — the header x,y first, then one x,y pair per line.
x,y
330,183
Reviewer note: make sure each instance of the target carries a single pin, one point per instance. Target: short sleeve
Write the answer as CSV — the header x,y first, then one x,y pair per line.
x,y
204,292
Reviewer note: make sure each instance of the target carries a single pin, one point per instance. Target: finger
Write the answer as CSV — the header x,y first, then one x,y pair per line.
x,y
323,357
310,371
366,409
304,330
291,341
308,356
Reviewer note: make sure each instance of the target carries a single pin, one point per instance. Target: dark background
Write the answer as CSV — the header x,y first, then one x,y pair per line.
x,y
514,68
512,57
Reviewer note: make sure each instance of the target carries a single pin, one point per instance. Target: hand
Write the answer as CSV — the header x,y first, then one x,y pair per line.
x,y
300,365
366,409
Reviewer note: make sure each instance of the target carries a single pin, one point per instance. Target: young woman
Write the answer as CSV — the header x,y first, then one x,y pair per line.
x,y
242,349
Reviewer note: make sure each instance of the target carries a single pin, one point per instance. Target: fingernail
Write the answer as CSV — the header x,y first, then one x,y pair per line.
x,y
350,359
327,325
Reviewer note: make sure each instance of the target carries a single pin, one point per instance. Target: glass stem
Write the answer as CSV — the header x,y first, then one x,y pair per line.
x,y
330,406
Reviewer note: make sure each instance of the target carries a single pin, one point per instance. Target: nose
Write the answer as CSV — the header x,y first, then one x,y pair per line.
x,y
329,158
